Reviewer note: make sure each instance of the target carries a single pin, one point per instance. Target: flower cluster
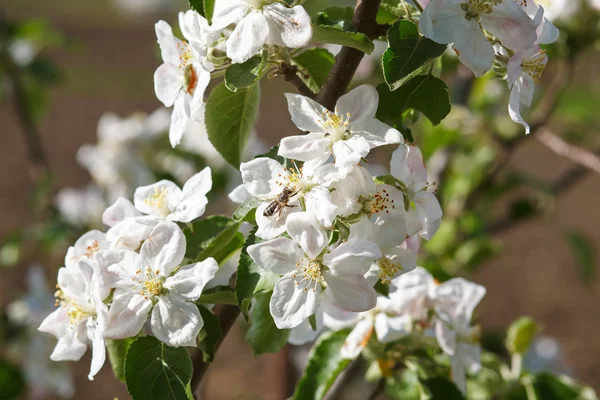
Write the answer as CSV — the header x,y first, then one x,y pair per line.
x,y
501,34
240,29
113,283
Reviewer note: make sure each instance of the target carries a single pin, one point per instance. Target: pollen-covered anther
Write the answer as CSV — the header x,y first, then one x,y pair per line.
x,y
387,269
534,66
473,8
91,249
311,275
158,201
335,124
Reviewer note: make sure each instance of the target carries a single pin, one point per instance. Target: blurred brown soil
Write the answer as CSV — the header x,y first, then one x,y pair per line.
x,y
109,67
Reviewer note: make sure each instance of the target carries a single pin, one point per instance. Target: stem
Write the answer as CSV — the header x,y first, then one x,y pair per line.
x,y
348,58
289,73
516,365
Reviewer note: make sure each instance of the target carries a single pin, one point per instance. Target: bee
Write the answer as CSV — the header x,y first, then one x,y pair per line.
x,y
277,205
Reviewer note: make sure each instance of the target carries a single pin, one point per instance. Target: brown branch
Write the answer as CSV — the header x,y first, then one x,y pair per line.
x,y
348,58
290,74
574,153
227,316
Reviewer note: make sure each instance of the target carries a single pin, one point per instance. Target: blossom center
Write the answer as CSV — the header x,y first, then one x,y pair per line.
x,y
186,56
153,286
158,201
294,180
335,124
76,312
380,202
311,275
534,66
387,269
190,78
91,249
473,8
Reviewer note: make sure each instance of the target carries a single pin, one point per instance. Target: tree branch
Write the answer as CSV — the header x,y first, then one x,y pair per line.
x,y
227,316
348,58
289,73
574,153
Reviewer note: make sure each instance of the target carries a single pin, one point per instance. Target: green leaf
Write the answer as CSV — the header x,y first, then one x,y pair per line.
x,y
230,117
218,295
424,93
203,7
441,389
520,335
336,16
44,71
211,237
324,365
584,254
404,386
246,74
246,211
263,335
314,66
210,335
407,53
559,387
251,279
474,252
117,349
155,371
329,34
12,382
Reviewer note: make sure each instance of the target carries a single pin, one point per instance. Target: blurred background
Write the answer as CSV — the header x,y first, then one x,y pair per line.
x,y
521,213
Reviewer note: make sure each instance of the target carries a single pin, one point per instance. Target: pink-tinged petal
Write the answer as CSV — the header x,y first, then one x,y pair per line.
x,y
358,339
176,322
305,229
292,303
279,255
127,315
122,209
70,347
98,354
443,21
288,27
350,292
376,132
407,165
263,177
511,24
168,81
56,323
248,37
189,281
361,102
165,248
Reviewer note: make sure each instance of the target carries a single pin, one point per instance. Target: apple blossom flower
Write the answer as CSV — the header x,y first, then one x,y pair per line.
x,y
524,69
408,167
80,318
261,22
266,179
455,301
306,265
153,283
184,75
348,133
461,22
387,232
81,206
546,31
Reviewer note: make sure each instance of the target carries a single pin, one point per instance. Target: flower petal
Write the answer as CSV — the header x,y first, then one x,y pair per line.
x,y
313,146
98,354
70,347
305,112
358,339
248,37
168,81
474,50
157,199
127,315
348,153
56,323
262,175
131,232
304,333
514,106
119,211
350,292
288,27
228,12
279,255
304,228
270,227
193,197
389,328
165,248
407,166
176,322
361,102
354,256
189,280
291,303
376,132
511,24
318,202
179,119
168,43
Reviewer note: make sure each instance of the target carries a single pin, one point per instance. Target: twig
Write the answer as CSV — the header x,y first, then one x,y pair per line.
x,y
289,73
574,153
227,316
348,58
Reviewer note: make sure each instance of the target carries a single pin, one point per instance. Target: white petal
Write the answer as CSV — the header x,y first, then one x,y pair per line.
x,y
165,248
176,322
304,333
474,50
403,257
270,227
228,12
248,37
514,107
376,132
261,177
179,119
131,232
461,295
278,255
116,265
547,32
189,281
291,304
459,375
361,102
150,199
407,166
239,194
305,112
389,328
511,24
443,21
318,202
193,197
168,43
350,292
288,27
119,211
313,146
98,354
127,315
446,337
352,257
388,231
168,81
70,347
358,339
56,323
304,228
348,153
197,105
